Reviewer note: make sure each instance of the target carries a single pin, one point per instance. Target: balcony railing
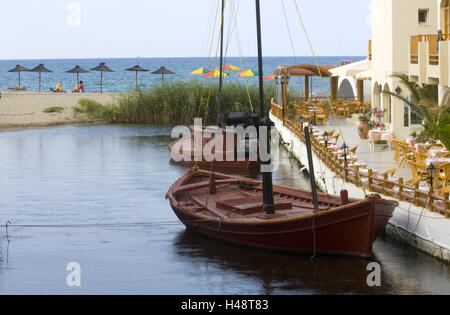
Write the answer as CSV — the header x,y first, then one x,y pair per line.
x,y
433,48
415,49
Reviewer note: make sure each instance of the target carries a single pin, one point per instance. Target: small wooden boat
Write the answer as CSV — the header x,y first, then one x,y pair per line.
x,y
231,209
204,161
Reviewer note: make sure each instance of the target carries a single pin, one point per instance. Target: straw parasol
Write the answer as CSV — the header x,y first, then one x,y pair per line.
x,y
19,69
77,70
137,69
162,71
40,69
101,68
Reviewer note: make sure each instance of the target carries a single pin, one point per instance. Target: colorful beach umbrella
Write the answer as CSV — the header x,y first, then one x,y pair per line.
x,y
215,74
40,69
270,77
163,71
137,69
201,71
248,73
19,69
101,68
231,68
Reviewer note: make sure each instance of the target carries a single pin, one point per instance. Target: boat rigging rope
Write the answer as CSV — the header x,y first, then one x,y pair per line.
x,y
318,67
289,31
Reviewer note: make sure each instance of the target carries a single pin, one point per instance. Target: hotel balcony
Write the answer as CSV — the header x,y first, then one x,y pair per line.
x,y
428,62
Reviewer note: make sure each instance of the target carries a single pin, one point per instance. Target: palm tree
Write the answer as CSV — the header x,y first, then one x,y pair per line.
x,y
425,102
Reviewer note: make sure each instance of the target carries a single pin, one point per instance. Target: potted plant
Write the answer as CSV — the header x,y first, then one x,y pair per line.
x,y
365,123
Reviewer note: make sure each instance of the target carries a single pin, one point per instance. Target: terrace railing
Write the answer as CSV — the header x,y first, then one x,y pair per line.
x,y
369,181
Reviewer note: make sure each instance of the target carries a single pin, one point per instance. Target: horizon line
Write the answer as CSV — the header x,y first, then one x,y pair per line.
x,y
138,57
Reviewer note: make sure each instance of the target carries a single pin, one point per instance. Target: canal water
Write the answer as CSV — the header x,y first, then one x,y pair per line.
x,y
120,174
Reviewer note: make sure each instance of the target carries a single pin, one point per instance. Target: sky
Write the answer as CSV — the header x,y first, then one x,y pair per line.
x,y
59,29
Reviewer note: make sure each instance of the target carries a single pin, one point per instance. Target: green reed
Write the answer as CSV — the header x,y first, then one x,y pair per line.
x,y
181,102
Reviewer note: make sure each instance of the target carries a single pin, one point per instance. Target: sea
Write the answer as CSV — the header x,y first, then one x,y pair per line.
x,y
124,81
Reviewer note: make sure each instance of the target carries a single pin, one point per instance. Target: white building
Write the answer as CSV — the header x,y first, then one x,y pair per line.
x,y
404,40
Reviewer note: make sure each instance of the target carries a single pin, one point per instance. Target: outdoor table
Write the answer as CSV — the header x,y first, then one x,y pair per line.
x,y
437,152
378,135
314,111
411,141
437,161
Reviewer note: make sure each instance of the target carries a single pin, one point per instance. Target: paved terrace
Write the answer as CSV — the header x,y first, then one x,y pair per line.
x,y
381,159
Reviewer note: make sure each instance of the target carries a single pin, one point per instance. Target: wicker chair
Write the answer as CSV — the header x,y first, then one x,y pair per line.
x,y
443,174
419,173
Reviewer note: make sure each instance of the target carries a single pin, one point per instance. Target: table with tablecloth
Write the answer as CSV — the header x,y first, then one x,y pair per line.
x,y
378,135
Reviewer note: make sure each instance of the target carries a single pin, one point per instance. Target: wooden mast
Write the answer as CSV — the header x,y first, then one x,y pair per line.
x,y
266,176
219,109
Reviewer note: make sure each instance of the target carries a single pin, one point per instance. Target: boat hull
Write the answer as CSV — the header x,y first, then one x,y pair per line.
x,y
346,230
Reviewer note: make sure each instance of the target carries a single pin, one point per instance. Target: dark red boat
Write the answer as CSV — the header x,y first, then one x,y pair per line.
x,y
204,161
231,209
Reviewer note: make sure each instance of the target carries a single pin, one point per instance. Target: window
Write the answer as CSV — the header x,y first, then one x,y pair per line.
x,y
423,16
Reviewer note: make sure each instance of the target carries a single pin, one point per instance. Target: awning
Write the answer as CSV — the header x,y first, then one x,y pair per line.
x,y
351,69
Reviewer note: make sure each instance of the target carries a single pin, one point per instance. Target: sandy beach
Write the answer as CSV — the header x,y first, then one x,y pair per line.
x,y
26,109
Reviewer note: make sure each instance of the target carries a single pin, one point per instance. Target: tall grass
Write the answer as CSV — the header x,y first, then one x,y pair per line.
x,y
181,102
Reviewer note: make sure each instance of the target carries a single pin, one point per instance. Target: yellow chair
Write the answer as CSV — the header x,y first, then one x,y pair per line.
x,y
443,174
419,157
419,173
397,150
445,190
353,150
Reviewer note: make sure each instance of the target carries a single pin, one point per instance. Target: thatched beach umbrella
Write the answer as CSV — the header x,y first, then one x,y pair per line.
x,y
40,69
77,70
162,71
102,68
137,69
19,69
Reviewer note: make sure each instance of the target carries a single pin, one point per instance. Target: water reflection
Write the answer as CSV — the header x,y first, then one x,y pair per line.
x,y
114,174
278,272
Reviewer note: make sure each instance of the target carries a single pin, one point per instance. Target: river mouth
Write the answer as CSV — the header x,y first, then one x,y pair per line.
x,y
116,174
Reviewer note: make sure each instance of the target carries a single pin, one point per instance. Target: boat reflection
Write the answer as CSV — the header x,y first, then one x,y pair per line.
x,y
281,273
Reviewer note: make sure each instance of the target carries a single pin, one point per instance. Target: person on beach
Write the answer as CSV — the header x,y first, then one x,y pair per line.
x,y
79,88
59,87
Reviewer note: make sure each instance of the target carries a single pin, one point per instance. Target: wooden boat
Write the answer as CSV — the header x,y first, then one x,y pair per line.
x,y
204,161
231,209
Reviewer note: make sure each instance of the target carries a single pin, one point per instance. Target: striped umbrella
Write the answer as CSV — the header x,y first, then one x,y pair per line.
x,y
248,73
215,74
231,68
201,71
270,77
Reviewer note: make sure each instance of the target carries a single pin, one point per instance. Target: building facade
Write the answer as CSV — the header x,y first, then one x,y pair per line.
x,y
404,40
